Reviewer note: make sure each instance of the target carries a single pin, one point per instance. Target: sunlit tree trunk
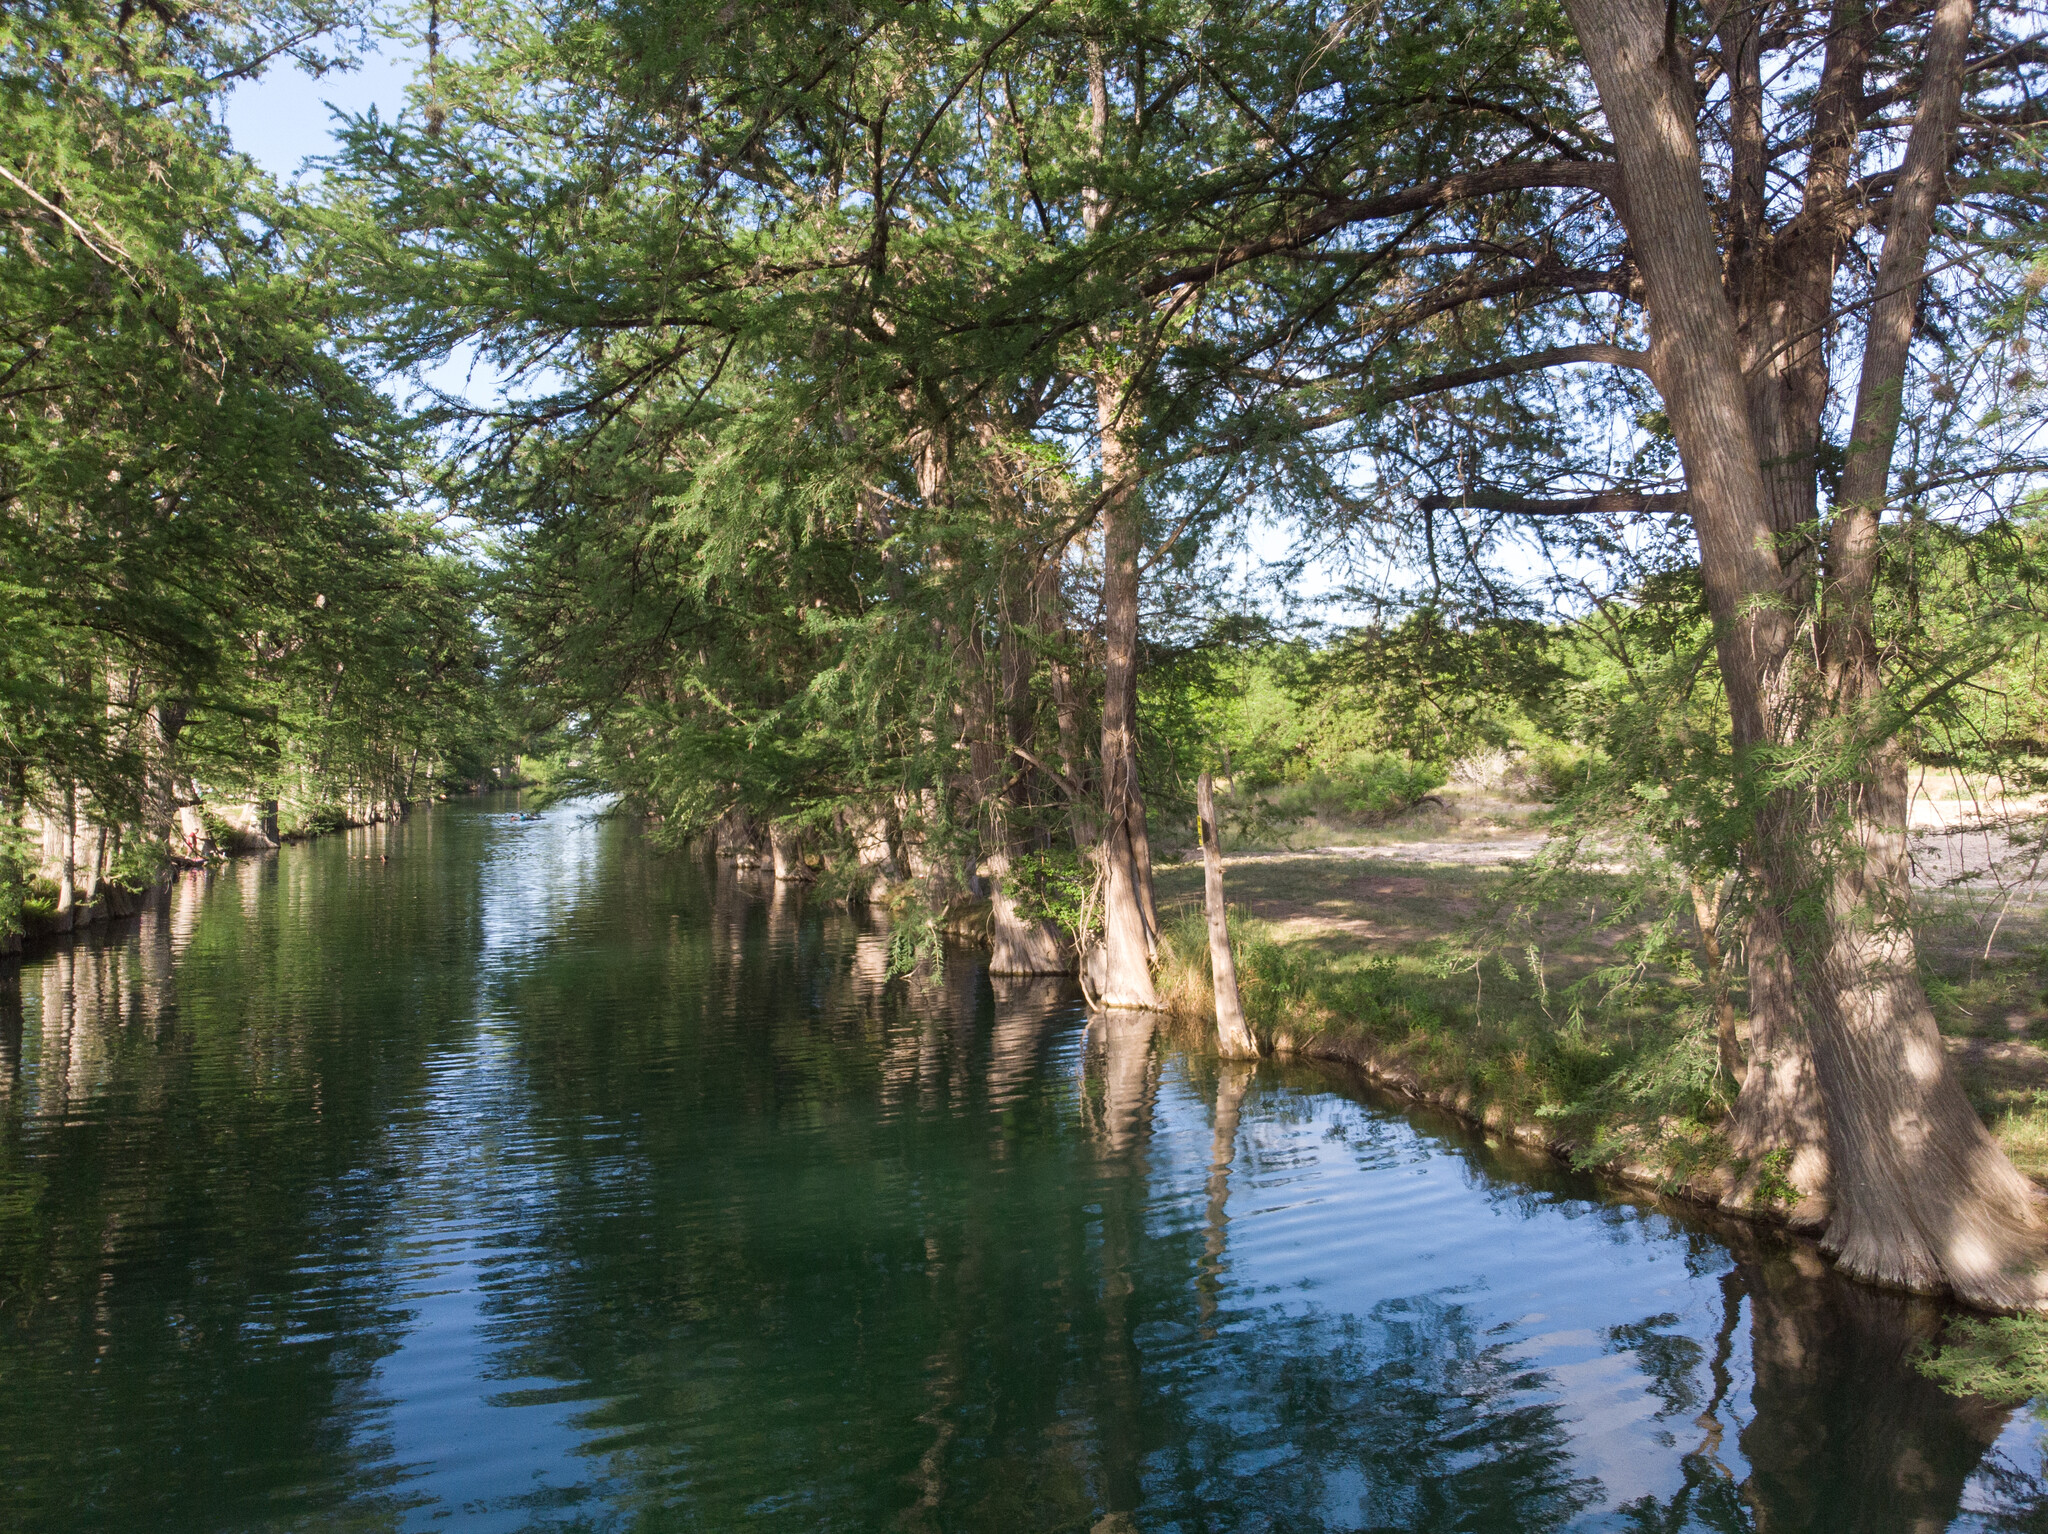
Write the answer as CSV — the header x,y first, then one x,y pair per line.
x,y
1920,1195
1123,978
787,849
1234,1039
1924,1198
67,859
162,726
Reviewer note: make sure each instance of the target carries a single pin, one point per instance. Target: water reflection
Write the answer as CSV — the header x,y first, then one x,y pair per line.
x,y
534,1181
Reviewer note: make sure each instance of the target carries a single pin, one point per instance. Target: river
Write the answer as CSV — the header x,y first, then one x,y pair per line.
x,y
497,1175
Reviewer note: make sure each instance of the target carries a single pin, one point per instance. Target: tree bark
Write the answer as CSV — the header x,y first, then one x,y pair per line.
x,y
1125,979
1123,974
1018,946
1921,1196
1782,291
163,725
1706,910
1234,1040
787,848
874,847
1925,1199
1755,600
67,860
1779,1107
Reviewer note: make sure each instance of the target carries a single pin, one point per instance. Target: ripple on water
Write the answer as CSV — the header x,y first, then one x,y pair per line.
x,y
533,1180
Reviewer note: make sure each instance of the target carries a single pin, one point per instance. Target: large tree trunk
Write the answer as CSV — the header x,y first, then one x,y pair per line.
x,y
1780,1106
1782,290
1234,1040
161,728
1696,362
1019,946
1924,1197
67,860
1921,1197
1125,976
874,846
786,846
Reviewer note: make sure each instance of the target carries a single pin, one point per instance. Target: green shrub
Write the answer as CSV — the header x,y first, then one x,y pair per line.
x,y
320,819
840,880
1556,768
1364,786
1377,784
1053,886
138,864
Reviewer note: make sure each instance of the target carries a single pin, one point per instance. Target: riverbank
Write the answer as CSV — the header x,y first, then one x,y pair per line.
x,y
238,834
1388,959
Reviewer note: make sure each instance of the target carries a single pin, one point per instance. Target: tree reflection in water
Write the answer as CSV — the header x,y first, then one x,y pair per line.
x,y
775,1242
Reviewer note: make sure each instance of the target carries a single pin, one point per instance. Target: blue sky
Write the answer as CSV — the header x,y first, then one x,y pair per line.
x,y
284,119
287,118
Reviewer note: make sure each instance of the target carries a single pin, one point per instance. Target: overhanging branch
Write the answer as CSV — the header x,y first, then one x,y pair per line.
x,y
1509,367
1585,175
1602,503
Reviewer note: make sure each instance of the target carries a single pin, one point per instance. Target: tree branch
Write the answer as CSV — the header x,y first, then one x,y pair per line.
x,y
1508,367
1602,503
1585,175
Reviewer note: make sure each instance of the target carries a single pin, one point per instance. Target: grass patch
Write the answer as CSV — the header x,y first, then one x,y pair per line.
x,y
1387,952
1633,1082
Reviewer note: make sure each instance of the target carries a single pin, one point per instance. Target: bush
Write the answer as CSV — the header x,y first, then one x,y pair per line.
x,y
14,872
39,898
1052,886
137,865
320,819
1359,786
218,831
1377,784
1556,769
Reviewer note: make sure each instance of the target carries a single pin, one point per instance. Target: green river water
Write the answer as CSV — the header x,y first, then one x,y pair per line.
x,y
534,1180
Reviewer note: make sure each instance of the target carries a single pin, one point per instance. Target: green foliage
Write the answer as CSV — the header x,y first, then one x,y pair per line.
x,y
914,943
1362,785
137,864
318,820
39,898
16,867
1434,687
2000,1358
1774,1186
215,572
1053,886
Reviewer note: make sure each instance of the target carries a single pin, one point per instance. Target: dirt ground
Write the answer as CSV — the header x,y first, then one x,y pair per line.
x,y
1415,888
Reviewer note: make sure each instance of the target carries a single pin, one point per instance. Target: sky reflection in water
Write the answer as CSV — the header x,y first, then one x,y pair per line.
x,y
533,1180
